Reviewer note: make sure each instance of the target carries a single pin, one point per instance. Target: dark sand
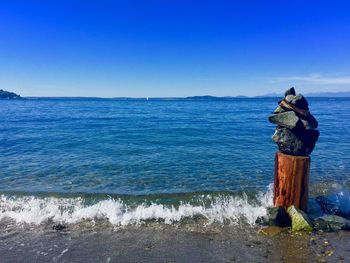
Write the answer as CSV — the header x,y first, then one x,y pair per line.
x,y
161,243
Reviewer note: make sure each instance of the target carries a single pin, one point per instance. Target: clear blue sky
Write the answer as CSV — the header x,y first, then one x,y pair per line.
x,y
173,48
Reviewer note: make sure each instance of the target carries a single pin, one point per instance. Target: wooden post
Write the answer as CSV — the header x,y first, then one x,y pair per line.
x,y
291,183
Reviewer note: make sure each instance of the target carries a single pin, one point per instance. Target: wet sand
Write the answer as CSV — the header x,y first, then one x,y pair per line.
x,y
162,243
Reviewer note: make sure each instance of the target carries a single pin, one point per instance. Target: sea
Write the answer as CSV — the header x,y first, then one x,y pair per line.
x,y
131,162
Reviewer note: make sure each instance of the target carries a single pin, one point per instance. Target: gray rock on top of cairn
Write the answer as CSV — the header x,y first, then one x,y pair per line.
x,y
296,132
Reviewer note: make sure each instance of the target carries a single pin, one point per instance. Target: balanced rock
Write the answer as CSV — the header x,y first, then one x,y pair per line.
x,y
293,142
300,221
290,91
296,132
286,119
332,223
279,109
300,102
309,122
290,98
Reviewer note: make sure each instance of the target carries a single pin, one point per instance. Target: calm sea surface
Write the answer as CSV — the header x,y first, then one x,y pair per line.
x,y
147,147
156,147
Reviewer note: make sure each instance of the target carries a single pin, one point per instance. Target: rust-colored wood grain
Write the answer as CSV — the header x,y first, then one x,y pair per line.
x,y
291,183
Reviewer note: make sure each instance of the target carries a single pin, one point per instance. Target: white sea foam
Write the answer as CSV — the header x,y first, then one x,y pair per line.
x,y
34,210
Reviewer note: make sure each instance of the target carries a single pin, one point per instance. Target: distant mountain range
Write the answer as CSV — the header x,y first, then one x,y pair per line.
x,y
207,97
11,95
343,94
275,95
329,94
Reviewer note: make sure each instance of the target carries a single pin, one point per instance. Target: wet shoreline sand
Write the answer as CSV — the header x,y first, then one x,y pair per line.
x,y
163,243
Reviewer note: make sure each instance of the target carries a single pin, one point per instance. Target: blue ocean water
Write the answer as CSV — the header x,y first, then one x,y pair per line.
x,y
161,148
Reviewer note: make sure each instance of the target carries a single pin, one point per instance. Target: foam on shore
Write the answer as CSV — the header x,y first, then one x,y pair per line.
x,y
222,209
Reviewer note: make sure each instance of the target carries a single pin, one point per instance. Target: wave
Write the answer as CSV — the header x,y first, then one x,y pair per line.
x,y
222,209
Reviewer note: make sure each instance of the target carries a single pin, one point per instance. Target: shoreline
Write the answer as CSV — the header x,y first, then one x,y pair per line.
x,y
163,243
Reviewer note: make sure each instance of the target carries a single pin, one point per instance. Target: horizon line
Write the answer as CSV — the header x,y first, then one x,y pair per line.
x,y
269,95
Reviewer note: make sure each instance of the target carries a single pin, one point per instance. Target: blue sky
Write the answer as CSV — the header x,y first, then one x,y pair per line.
x,y
173,48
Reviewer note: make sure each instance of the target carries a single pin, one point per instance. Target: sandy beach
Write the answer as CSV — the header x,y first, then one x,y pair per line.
x,y
161,243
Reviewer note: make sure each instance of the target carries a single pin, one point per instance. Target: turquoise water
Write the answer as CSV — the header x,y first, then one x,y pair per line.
x,y
169,151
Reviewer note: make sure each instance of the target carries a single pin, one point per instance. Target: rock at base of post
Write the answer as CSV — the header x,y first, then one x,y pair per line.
x,y
300,221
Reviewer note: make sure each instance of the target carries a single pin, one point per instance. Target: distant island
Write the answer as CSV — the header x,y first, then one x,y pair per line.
x,y
208,97
9,95
343,94
329,94
346,94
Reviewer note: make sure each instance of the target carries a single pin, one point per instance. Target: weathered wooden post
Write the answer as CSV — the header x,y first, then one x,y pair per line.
x,y
296,137
291,182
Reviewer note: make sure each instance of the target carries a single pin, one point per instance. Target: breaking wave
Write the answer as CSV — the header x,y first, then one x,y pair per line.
x,y
221,209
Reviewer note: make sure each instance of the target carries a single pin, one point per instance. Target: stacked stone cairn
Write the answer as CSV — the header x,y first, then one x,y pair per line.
x,y
296,132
